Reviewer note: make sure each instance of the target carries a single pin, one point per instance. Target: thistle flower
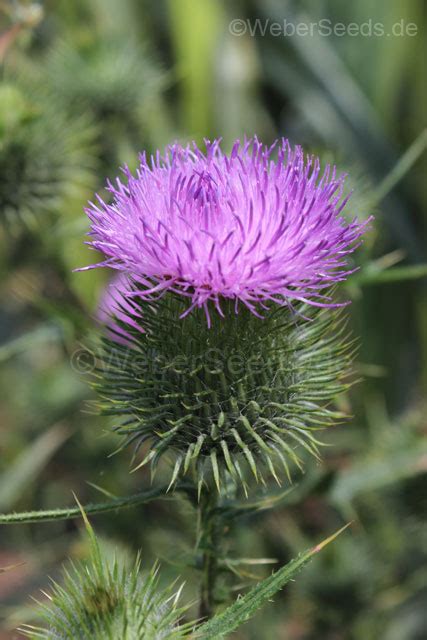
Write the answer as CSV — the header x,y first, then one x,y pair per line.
x,y
245,235
244,226
104,602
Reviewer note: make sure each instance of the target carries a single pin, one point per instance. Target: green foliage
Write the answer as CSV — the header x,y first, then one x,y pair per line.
x,y
245,390
99,600
102,602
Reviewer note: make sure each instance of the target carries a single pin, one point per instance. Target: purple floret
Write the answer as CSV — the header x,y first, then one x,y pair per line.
x,y
259,224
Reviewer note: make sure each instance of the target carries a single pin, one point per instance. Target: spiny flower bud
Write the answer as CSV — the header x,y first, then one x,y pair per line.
x,y
106,75
102,602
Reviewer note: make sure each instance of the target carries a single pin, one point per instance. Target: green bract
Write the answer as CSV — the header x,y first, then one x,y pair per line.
x,y
245,392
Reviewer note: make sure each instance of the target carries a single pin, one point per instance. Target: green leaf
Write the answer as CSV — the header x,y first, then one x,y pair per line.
x,y
23,471
245,607
397,274
377,471
402,167
74,512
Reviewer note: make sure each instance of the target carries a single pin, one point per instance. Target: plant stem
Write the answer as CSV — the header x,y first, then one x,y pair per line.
x,y
209,542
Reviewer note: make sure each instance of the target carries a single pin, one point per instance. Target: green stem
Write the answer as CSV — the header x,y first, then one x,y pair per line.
x,y
209,542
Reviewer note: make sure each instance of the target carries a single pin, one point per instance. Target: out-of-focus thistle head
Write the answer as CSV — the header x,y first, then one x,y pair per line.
x,y
260,224
46,158
253,246
99,600
108,76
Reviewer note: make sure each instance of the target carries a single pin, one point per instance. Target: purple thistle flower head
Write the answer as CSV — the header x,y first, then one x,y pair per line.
x,y
259,224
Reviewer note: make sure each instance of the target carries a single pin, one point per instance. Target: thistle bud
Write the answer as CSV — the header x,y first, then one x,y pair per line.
x,y
99,600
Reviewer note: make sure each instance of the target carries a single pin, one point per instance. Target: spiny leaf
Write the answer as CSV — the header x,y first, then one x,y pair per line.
x,y
246,606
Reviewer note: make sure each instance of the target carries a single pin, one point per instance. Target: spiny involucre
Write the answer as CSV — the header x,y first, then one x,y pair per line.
x,y
243,392
260,224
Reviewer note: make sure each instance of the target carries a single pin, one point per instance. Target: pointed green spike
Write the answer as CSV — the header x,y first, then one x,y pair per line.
x,y
200,484
282,459
311,449
215,469
242,479
228,460
253,433
271,468
199,444
147,459
188,457
284,445
175,473
247,453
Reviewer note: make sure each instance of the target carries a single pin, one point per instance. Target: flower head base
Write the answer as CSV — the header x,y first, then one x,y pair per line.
x,y
242,393
261,224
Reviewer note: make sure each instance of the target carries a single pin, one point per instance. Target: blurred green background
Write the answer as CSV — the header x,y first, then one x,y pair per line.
x,y
85,85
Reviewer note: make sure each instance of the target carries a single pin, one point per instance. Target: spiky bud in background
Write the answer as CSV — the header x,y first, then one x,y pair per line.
x,y
115,81
46,157
104,602
234,346
106,76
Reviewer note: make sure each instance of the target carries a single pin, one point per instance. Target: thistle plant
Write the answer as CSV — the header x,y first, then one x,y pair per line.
x,y
240,393
112,78
104,76
243,227
224,344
